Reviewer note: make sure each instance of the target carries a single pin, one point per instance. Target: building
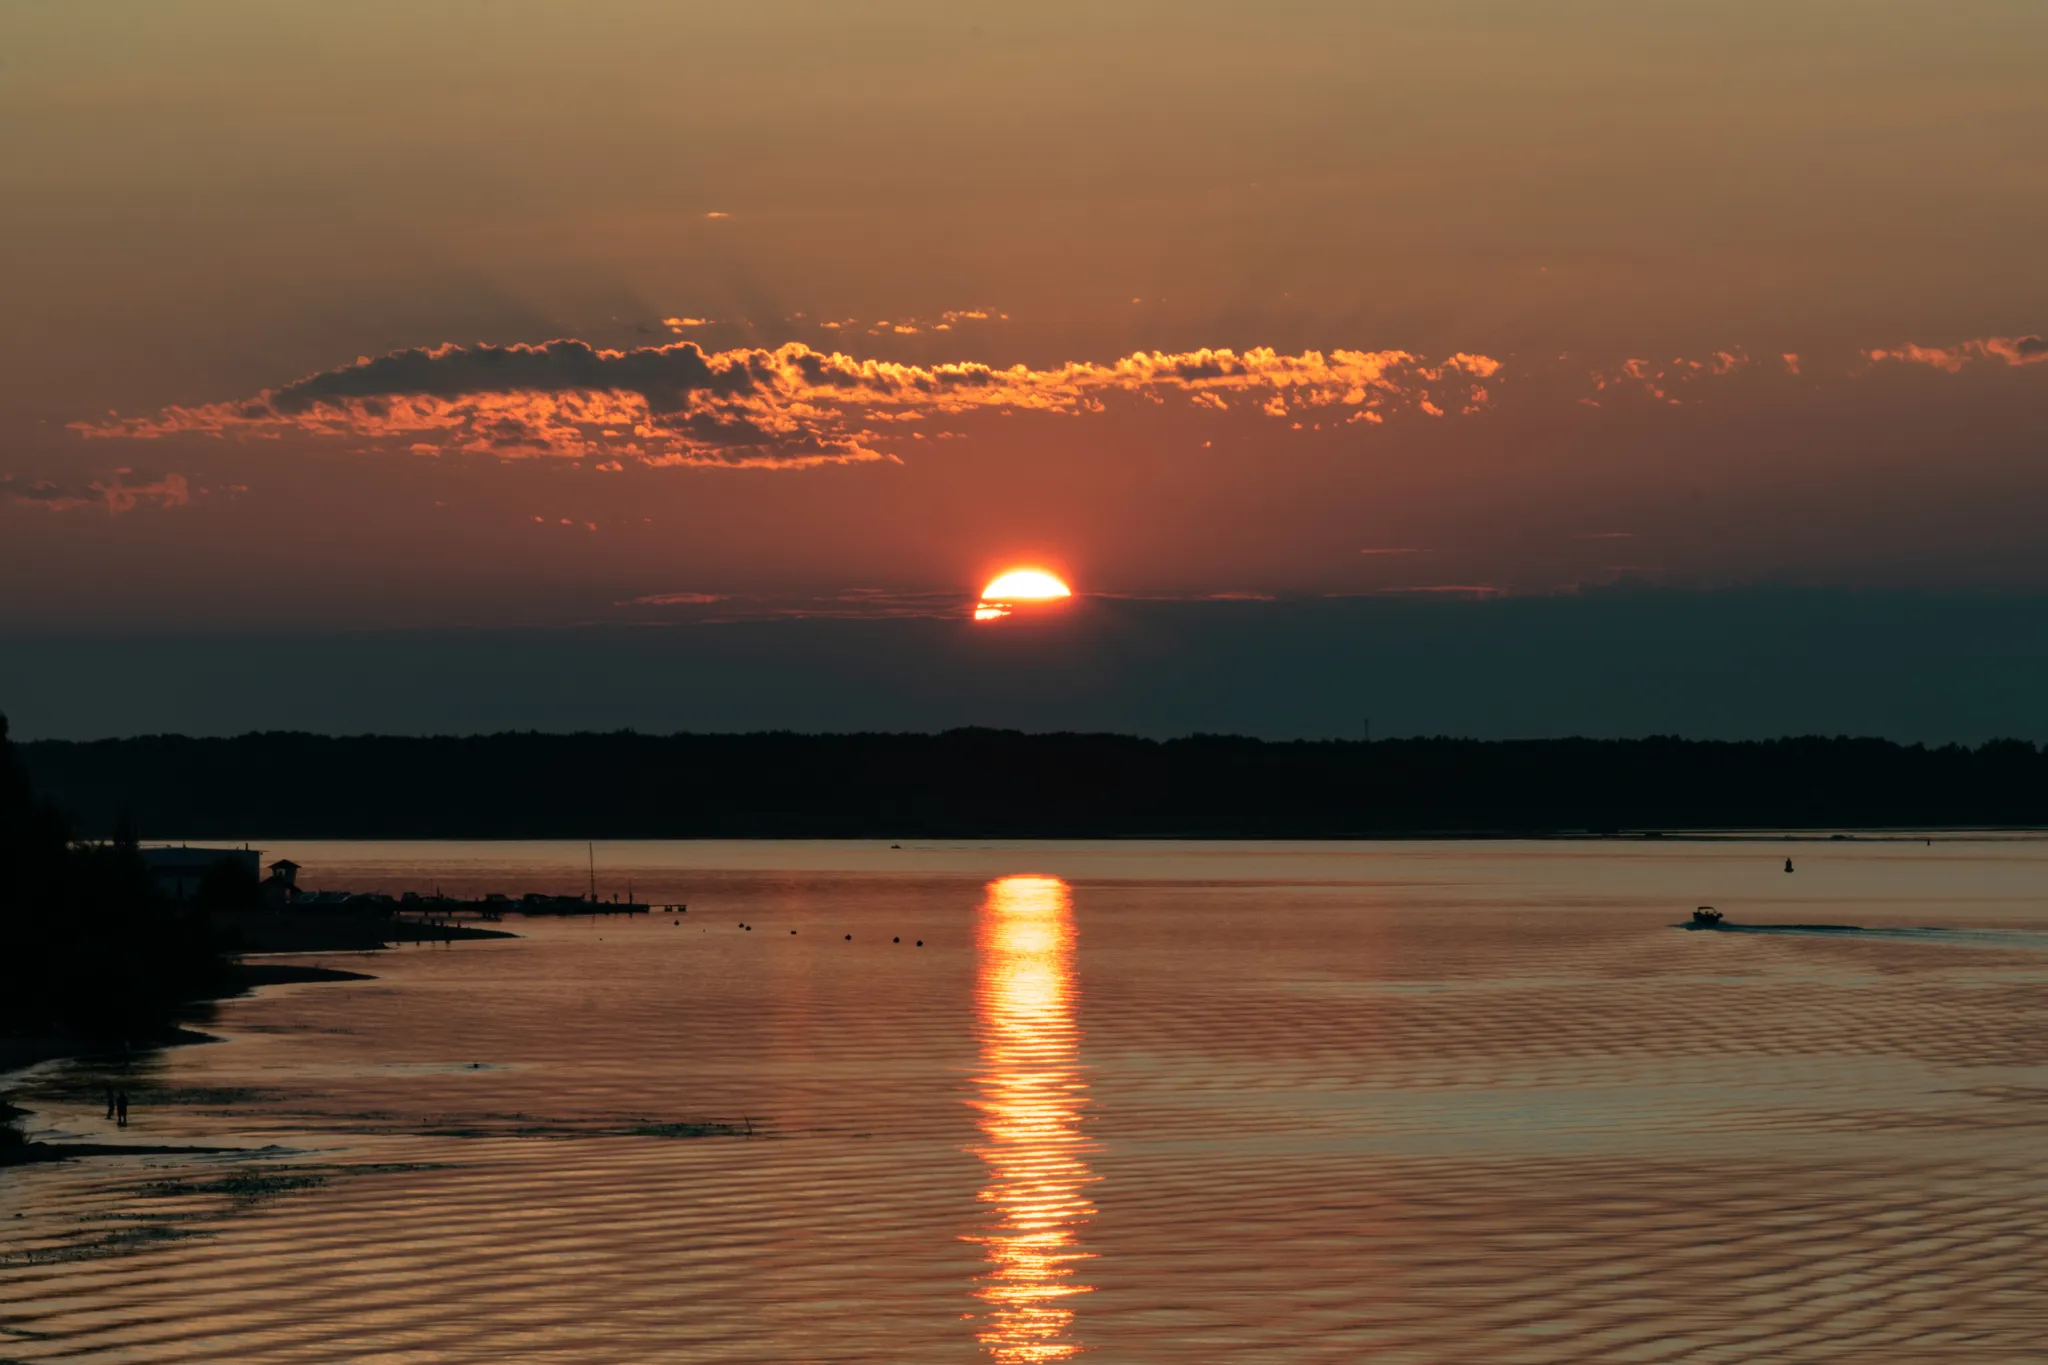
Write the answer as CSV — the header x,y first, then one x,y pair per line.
x,y
177,872
281,887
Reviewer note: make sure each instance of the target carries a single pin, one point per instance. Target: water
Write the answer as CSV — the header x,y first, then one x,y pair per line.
x,y
1138,1102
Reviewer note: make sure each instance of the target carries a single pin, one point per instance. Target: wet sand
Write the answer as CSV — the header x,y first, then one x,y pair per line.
x,y
1142,1102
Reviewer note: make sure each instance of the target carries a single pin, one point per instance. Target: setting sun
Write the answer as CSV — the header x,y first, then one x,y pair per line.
x,y
1017,587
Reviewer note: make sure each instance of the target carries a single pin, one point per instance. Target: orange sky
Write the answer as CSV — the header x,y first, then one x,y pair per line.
x,y
820,301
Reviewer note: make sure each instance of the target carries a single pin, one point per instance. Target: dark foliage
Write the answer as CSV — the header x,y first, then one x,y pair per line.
x,y
228,887
990,783
86,945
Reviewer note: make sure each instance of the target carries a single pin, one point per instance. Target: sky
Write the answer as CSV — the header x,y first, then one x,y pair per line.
x,y
391,317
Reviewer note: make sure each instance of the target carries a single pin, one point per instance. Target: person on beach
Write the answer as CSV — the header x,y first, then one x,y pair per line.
x,y
121,1109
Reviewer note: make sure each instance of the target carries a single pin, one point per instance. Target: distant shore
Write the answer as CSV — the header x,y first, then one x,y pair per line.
x,y
1004,784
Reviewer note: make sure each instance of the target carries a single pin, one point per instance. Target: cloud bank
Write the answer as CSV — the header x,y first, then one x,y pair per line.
x,y
791,406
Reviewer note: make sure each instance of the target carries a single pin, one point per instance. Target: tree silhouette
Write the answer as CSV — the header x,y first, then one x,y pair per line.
x,y
87,946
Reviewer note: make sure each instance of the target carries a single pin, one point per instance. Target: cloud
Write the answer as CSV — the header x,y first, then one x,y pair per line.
x,y
913,326
788,407
1225,595
2027,350
1667,383
1473,590
2031,350
111,491
793,406
713,608
677,599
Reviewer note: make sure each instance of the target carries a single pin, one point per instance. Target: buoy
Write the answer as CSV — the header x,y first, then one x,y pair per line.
x,y
920,943
895,940
849,938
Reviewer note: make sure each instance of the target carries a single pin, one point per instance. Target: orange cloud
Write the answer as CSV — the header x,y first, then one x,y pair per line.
x,y
1664,383
787,407
2027,350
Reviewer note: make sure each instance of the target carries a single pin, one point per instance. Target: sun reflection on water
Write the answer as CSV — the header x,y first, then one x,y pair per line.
x,y
1029,1094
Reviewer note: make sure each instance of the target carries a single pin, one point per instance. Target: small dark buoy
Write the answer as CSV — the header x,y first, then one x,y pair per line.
x,y
1788,864
920,943
849,938
895,940
792,932
750,928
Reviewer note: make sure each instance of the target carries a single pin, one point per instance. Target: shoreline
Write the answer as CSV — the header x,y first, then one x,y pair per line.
x,y
262,932
19,1053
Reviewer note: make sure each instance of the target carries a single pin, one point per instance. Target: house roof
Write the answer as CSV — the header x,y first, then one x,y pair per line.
x,y
194,859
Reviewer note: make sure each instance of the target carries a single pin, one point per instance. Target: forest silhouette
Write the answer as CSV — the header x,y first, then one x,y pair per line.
x,y
983,783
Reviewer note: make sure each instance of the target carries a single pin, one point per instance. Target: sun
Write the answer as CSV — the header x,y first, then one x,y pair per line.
x,y
1017,587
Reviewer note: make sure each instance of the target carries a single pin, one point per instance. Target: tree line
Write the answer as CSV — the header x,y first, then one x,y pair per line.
x,y
979,783
88,948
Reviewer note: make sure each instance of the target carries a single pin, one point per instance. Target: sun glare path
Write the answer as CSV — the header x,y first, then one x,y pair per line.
x,y
1031,1091
1018,587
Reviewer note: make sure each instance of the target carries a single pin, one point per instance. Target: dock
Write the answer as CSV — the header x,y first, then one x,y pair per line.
x,y
439,909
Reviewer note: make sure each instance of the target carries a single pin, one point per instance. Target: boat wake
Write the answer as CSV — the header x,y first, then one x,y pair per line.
x,y
1974,938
